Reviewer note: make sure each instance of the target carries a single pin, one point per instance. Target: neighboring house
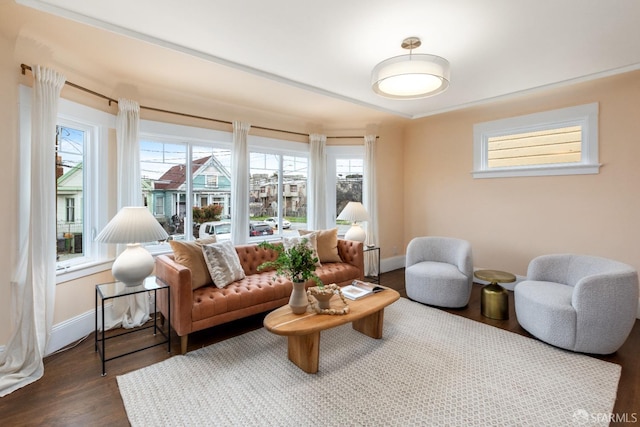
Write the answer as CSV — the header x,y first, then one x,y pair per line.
x,y
263,195
147,192
211,186
69,210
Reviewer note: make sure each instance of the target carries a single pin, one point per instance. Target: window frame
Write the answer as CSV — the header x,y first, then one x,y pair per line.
x,y
278,147
334,153
189,136
585,116
95,178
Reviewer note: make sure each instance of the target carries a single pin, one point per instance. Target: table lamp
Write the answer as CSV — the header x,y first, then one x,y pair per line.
x,y
132,225
354,212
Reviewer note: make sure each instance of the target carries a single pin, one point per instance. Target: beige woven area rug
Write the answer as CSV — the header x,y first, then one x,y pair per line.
x,y
430,368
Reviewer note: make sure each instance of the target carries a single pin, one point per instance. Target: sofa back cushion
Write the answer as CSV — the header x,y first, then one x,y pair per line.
x,y
252,255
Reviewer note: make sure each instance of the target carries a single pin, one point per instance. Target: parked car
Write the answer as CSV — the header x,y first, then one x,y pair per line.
x,y
259,228
220,229
273,222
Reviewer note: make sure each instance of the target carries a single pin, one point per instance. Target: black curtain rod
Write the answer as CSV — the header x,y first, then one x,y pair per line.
x,y
25,67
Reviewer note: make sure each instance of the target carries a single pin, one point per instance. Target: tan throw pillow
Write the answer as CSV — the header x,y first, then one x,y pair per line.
x,y
311,240
190,255
223,263
327,241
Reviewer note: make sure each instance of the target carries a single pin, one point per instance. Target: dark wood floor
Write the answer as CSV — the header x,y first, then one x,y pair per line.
x,y
73,393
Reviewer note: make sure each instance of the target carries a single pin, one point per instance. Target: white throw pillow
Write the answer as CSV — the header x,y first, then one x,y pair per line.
x,y
223,263
311,239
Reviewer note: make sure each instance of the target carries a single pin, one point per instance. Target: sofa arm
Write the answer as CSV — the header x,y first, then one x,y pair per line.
x,y
178,278
352,252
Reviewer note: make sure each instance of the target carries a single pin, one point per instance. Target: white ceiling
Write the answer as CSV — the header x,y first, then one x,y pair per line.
x,y
495,47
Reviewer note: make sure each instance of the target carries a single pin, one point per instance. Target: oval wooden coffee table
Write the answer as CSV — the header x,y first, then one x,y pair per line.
x,y
303,330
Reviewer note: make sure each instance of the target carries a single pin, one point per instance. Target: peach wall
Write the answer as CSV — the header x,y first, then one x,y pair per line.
x,y
8,177
390,183
511,220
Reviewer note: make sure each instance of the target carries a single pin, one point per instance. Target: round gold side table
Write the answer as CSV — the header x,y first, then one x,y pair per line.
x,y
494,299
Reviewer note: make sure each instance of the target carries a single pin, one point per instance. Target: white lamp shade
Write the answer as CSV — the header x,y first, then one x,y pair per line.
x,y
354,212
411,76
132,225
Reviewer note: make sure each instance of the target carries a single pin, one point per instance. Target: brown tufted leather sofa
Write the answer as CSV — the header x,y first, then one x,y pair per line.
x,y
194,310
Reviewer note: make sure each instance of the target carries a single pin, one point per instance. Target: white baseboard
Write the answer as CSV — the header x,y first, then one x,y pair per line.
x,y
78,327
71,330
393,263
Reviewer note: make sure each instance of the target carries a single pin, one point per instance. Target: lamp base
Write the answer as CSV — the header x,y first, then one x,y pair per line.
x,y
133,265
356,233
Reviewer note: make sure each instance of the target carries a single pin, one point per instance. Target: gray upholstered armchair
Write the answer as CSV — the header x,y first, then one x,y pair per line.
x,y
578,302
439,271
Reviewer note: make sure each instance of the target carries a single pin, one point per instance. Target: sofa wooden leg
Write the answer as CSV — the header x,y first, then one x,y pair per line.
x,y
161,319
183,344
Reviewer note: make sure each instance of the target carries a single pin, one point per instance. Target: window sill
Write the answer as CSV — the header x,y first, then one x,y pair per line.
x,y
78,271
582,169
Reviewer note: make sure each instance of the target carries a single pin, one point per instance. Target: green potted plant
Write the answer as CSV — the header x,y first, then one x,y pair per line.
x,y
298,263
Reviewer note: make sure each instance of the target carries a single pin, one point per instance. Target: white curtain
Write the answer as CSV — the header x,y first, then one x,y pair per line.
x,y
127,133
240,183
317,197
370,203
33,285
133,310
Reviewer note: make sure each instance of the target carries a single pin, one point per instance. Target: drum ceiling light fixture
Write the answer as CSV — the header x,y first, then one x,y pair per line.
x,y
411,76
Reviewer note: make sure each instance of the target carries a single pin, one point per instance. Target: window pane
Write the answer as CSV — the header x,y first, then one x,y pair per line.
x,y
348,187
277,194
561,145
294,203
162,166
211,192
69,192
